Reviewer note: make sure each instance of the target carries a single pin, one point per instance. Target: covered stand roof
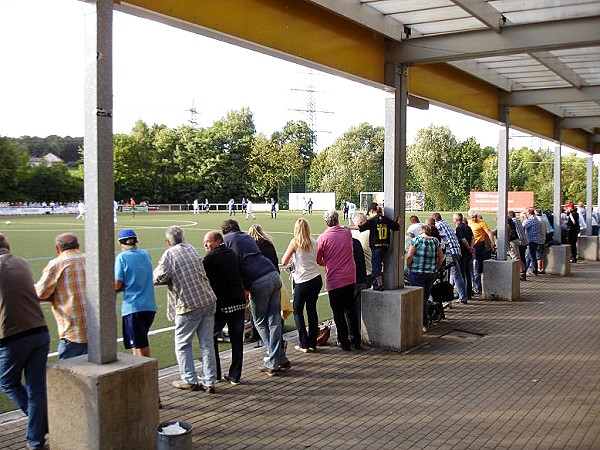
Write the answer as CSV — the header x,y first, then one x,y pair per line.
x,y
540,58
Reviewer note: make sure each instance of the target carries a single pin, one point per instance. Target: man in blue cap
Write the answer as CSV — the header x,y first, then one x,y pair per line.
x,y
133,277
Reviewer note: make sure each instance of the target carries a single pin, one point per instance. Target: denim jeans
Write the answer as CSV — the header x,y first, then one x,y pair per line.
x,y
235,327
201,322
425,280
478,258
377,257
29,355
69,349
307,294
457,276
265,301
531,258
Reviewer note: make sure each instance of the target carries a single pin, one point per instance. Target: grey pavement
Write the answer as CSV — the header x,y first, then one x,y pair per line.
x,y
494,375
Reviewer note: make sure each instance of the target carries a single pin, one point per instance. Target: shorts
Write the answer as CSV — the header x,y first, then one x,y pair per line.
x,y
136,327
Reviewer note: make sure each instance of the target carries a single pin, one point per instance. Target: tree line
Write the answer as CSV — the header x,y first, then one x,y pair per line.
x,y
229,159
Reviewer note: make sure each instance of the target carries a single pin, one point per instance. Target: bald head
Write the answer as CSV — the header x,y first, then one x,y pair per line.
x,y
212,240
66,241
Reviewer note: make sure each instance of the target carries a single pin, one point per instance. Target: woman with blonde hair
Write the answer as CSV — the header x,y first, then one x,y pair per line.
x,y
307,283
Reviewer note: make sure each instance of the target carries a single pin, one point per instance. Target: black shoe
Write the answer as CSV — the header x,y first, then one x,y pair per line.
x,y
207,389
231,380
464,302
346,346
285,367
270,372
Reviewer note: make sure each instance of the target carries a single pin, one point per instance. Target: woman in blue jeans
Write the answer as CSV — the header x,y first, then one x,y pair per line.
x,y
424,258
307,283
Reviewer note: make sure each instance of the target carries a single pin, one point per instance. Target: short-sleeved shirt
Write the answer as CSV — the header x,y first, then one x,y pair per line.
x,y
480,229
425,260
463,231
414,229
134,269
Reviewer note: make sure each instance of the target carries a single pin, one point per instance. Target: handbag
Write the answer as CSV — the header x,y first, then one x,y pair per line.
x,y
324,333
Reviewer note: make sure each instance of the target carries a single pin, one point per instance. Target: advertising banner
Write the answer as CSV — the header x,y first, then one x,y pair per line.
x,y
488,201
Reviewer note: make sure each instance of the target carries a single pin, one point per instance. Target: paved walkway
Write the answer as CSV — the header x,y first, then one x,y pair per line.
x,y
494,375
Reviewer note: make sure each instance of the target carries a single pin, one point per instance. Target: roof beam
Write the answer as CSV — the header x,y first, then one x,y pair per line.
x,y
483,12
550,96
364,15
581,122
562,70
528,38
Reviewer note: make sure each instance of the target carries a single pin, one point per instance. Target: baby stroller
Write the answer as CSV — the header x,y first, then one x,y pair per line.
x,y
442,293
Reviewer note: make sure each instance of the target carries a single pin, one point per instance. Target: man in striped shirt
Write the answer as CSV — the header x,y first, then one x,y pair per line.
x,y
63,284
454,251
191,303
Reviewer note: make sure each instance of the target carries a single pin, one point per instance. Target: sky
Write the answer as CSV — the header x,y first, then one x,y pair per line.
x,y
160,72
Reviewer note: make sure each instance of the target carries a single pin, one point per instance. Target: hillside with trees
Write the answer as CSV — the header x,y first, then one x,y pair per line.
x,y
230,159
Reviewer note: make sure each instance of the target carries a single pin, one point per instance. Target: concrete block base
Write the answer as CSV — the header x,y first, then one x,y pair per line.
x,y
100,406
393,319
557,260
587,248
500,280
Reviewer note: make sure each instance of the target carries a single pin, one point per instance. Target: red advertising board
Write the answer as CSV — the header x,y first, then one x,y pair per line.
x,y
488,201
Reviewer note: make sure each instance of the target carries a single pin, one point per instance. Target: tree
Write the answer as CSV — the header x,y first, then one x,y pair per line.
x,y
49,183
11,159
231,144
430,158
268,163
352,164
134,163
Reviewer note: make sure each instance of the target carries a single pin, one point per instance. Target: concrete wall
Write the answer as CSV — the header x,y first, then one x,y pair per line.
x,y
500,280
103,406
393,319
587,248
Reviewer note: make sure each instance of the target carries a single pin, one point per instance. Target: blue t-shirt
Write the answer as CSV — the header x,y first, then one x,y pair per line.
x,y
134,269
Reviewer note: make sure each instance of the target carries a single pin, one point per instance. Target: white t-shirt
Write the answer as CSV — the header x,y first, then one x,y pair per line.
x,y
414,229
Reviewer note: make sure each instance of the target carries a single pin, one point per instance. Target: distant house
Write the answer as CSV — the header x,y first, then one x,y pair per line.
x,y
47,160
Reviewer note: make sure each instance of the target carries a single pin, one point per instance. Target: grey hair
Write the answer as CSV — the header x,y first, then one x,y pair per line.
x,y
4,242
359,218
331,217
66,241
174,235
473,212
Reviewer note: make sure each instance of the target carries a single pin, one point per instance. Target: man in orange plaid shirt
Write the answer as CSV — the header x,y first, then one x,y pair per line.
x,y
63,284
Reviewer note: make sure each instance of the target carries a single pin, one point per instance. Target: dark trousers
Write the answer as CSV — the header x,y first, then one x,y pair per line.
x,y
466,267
307,294
341,301
235,326
572,238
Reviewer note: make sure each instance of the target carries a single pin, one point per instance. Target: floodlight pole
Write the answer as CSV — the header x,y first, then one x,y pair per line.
x,y
99,184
